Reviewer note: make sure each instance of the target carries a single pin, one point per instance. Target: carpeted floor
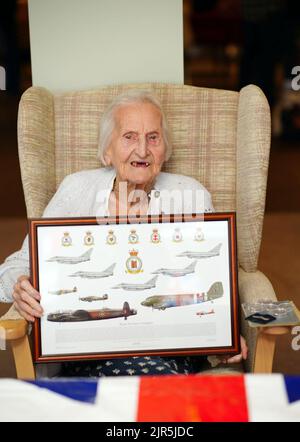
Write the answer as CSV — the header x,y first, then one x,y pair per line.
x,y
279,260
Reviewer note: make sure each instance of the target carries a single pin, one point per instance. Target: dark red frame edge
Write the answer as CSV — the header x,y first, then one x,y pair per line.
x,y
235,321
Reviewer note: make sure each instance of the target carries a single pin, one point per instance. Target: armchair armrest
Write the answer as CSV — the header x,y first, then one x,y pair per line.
x,y
260,341
14,328
254,286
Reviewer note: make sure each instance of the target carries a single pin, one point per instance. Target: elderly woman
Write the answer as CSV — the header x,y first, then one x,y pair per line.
x,y
134,143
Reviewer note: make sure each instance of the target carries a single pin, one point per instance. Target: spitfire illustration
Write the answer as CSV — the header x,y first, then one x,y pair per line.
x,y
94,275
63,292
177,272
162,302
94,298
147,285
92,315
198,255
86,256
209,312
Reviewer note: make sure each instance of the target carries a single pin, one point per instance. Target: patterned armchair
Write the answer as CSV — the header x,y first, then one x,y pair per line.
x,y
221,138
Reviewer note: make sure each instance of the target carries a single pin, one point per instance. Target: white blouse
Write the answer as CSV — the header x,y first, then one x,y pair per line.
x,y
86,193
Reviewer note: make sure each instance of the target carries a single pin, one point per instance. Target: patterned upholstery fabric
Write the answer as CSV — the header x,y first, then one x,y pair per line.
x,y
203,124
221,138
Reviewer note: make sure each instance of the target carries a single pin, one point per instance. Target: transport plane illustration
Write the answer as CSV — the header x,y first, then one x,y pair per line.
x,y
198,255
63,292
92,315
177,272
147,285
94,298
162,302
86,256
94,275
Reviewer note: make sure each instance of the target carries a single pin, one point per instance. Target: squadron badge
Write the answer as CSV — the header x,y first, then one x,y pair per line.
x,y
88,239
133,237
199,235
134,263
111,238
177,236
155,237
66,240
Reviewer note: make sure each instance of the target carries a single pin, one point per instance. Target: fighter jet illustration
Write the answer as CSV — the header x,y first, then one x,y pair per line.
x,y
92,315
177,272
161,302
94,275
197,255
94,298
86,256
147,285
63,292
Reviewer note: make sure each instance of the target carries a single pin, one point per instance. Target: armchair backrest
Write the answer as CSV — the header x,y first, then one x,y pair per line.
x,y
221,138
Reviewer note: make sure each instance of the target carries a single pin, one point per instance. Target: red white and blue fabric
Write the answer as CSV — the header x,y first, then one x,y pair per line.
x,y
240,398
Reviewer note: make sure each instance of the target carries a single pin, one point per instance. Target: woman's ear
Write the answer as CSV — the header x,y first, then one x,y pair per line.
x,y
107,158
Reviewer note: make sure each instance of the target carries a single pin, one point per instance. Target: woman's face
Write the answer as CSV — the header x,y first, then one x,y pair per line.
x,y
137,149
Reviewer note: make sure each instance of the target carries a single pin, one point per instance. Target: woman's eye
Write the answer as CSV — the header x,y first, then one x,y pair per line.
x,y
153,138
130,137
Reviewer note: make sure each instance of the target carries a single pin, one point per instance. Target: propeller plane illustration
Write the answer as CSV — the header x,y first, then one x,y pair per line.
x,y
92,315
162,302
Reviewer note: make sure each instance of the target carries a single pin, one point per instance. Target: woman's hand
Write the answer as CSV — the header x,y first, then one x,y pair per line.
x,y
237,358
26,299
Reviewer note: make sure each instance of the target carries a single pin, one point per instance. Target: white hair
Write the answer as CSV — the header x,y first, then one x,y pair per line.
x,y
107,123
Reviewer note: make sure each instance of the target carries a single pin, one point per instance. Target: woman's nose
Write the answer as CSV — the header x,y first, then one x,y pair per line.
x,y
142,148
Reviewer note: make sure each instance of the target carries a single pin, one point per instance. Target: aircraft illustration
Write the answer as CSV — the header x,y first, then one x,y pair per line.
x,y
161,302
147,285
63,292
177,272
92,315
198,255
94,275
86,256
210,312
94,298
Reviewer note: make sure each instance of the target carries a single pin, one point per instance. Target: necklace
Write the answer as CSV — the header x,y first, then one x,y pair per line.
x,y
147,190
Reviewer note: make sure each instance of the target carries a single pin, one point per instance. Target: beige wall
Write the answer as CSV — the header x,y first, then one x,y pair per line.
x,y
78,44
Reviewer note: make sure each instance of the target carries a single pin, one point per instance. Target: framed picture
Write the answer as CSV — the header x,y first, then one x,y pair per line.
x,y
116,286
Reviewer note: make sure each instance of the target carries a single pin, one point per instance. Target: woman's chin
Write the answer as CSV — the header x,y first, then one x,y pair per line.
x,y
140,178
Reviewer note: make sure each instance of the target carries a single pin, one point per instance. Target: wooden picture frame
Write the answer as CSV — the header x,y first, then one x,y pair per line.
x,y
118,287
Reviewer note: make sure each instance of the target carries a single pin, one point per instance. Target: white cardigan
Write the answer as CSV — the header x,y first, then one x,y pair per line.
x,y
86,193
